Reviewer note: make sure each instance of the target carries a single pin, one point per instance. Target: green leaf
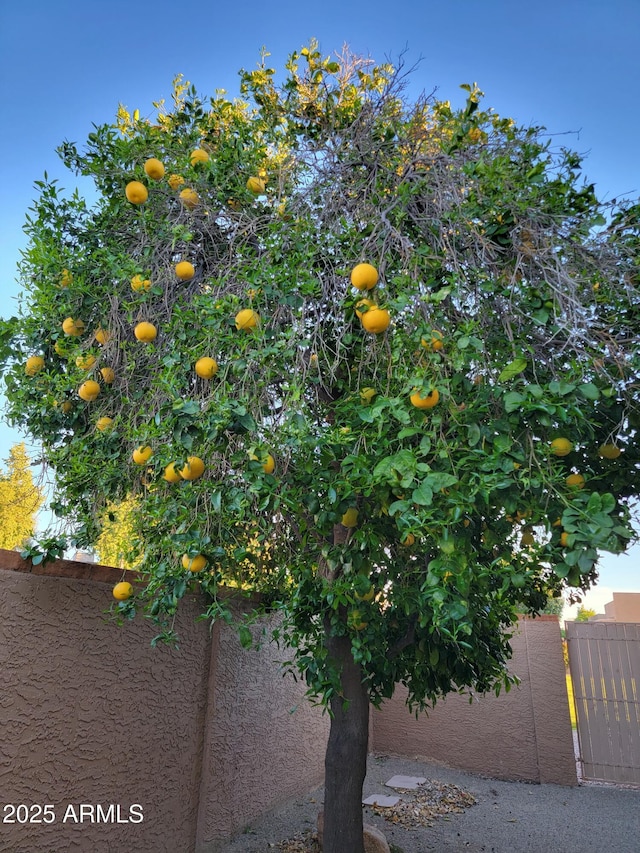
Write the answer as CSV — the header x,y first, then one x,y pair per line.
x,y
589,390
513,369
246,640
513,401
423,495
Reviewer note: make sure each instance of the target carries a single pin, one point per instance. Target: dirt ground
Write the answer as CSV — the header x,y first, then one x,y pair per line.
x,y
506,817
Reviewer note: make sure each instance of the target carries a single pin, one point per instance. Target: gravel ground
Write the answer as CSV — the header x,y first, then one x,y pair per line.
x,y
508,817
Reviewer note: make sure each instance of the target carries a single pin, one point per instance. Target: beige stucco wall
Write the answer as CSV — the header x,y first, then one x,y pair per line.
x,y
91,714
521,735
626,606
264,742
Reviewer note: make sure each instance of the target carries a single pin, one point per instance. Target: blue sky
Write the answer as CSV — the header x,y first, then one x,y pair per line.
x,y
570,65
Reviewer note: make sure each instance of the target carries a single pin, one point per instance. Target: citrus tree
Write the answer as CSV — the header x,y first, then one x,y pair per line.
x,y
368,355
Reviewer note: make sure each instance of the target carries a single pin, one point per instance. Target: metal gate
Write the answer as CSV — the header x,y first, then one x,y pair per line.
x,y
604,661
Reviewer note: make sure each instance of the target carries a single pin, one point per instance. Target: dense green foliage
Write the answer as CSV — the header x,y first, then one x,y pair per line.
x,y
20,499
511,291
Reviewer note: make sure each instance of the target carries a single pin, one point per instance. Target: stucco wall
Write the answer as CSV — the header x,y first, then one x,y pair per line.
x,y
521,735
264,742
91,714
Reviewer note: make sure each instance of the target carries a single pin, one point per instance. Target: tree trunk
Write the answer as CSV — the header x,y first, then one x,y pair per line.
x,y
346,757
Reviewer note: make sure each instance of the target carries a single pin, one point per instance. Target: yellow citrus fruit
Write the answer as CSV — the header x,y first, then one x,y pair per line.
x,y
189,198
145,332
103,423
376,320
89,390
154,168
141,455
171,473
206,367
474,134
86,361
575,481
256,185
102,336
408,540
175,181
561,446
193,469
122,591
136,192
435,343
367,395
247,319
66,278
73,328
194,564
198,156
368,596
364,276
185,271
564,539
364,304
350,517
609,451
33,365
67,406
139,283
108,375
425,402
269,464
58,348
356,621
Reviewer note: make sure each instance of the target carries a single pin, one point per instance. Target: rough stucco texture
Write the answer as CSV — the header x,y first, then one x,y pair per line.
x,y
204,738
264,742
521,735
89,713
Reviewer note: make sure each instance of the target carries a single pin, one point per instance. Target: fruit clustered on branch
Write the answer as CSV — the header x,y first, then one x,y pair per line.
x,y
344,347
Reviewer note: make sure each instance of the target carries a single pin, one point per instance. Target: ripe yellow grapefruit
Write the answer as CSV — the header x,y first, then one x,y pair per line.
x,y
194,564
376,320
103,423
256,185
609,451
171,473
122,591
136,192
427,401
34,365
198,156
73,328
206,367
154,169
142,454
66,278
189,198
575,481
89,390
247,319
185,271
108,375
561,446
350,517
145,332
435,342
364,276
193,469
85,361
102,336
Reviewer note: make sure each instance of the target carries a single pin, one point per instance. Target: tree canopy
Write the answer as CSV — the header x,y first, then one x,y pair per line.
x,y
20,499
369,355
